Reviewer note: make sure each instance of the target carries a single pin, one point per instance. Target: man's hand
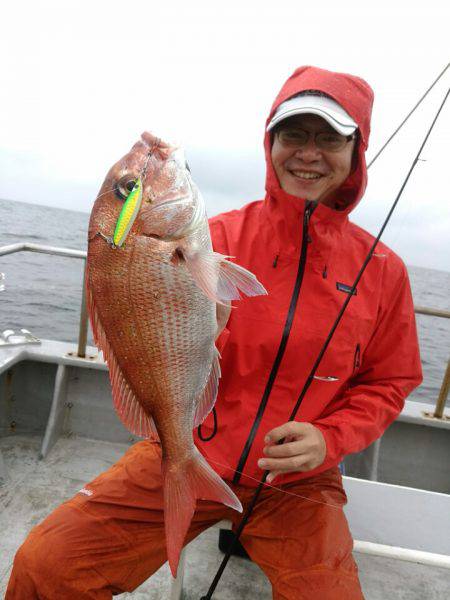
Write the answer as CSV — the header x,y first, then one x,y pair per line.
x,y
303,449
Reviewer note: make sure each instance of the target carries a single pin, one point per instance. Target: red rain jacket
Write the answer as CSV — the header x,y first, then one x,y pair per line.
x,y
374,352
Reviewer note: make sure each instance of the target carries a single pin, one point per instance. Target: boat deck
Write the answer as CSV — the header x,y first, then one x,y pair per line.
x,y
32,488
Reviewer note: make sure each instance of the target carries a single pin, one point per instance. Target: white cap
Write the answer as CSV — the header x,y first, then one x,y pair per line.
x,y
323,106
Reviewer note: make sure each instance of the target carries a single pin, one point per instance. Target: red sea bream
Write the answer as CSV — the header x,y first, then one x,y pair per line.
x,y
153,285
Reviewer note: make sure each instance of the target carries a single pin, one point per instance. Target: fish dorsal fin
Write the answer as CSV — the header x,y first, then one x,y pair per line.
x,y
209,394
127,406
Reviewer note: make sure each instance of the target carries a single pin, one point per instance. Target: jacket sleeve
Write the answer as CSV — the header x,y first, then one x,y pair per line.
x,y
390,369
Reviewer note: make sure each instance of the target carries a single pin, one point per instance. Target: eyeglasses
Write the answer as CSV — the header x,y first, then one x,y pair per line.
x,y
329,141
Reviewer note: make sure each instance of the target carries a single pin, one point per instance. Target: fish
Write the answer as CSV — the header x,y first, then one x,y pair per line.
x,y
153,285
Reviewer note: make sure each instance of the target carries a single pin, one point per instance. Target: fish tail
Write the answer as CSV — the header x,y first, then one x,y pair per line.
x,y
182,487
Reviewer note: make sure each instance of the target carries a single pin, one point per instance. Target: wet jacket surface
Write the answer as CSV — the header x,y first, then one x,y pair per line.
x,y
307,258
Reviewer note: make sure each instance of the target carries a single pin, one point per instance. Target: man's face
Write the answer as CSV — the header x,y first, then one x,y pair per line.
x,y
308,171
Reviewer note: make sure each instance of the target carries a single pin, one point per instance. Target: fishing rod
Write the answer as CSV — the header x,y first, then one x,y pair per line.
x,y
383,147
392,136
310,377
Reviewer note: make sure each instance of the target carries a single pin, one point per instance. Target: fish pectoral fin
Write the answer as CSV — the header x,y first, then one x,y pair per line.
x,y
219,279
209,394
182,486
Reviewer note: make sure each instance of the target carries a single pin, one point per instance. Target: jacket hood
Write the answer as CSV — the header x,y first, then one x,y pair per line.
x,y
356,97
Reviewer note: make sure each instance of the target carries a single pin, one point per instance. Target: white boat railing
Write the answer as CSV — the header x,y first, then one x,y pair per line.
x,y
438,412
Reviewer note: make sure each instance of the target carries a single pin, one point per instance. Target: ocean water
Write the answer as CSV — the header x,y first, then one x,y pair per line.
x,y
43,293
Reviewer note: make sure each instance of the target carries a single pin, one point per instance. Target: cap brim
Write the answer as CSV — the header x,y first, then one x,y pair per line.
x,y
341,128
315,104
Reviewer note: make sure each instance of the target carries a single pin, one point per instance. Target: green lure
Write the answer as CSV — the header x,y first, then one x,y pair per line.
x,y
128,214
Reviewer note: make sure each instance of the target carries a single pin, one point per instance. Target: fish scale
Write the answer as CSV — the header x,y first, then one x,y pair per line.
x,y
176,338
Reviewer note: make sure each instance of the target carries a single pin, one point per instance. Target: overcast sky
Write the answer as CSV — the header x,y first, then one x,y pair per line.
x,y
82,80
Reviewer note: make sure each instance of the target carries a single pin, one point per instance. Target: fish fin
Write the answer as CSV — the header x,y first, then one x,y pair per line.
x,y
182,486
209,394
219,279
127,406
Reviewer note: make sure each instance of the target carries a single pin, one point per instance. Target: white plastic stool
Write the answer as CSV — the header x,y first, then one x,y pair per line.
x,y
176,589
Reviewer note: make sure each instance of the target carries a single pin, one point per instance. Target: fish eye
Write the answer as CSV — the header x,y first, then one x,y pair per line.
x,y
124,186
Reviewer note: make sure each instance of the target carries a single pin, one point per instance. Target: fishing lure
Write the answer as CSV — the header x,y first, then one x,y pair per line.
x,y
128,214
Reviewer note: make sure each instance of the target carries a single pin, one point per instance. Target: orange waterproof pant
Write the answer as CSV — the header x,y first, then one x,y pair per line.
x,y
109,542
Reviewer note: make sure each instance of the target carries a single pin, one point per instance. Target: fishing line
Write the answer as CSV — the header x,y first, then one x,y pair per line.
x,y
400,226
398,230
269,485
310,377
391,137
143,171
155,145
17,434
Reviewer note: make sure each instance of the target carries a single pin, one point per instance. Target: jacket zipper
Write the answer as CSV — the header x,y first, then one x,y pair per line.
x,y
357,358
282,347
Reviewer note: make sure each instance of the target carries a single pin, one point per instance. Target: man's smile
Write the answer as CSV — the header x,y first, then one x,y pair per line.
x,y
301,174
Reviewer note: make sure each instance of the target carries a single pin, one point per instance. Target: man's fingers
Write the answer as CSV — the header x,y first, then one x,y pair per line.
x,y
271,476
292,428
286,449
306,451
289,438
283,465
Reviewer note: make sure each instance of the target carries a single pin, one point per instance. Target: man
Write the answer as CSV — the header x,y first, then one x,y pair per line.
x,y
302,247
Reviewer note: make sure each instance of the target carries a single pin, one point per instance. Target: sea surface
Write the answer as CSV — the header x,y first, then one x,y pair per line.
x,y
43,293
